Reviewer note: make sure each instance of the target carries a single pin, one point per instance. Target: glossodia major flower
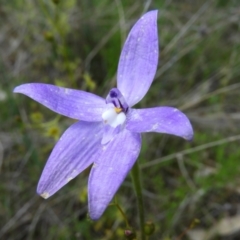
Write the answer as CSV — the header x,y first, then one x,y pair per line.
x,y
109,131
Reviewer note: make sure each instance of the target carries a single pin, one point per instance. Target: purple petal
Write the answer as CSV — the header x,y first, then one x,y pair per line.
x,y
110,170
160,119
139,58
68,102
74,152
110,133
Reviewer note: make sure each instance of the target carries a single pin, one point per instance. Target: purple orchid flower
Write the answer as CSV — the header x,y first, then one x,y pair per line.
x,y
109,131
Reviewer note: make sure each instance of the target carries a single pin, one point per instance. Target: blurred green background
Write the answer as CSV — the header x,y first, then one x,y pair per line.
x,y
191,189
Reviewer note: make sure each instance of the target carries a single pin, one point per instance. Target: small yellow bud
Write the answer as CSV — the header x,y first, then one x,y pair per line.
x,y
149,228
36,117
89,81
53,132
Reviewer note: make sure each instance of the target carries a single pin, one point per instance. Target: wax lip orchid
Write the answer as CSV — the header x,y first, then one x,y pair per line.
x,y
109,131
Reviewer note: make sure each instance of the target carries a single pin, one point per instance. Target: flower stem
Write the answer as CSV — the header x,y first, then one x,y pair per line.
x,y
138,190
122,212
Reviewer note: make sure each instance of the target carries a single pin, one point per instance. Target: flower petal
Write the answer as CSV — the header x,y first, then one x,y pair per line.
x,y
160,119
68,102
110,169
74,152
110,133
139,58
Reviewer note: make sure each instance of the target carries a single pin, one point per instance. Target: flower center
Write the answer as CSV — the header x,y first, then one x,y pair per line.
x,y
114,118
116,114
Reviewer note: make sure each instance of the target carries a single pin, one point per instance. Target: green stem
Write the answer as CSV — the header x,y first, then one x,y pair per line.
x,y
122,212
138,190
124,215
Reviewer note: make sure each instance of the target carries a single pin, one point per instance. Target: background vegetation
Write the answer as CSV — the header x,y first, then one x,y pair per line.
x,y
187,185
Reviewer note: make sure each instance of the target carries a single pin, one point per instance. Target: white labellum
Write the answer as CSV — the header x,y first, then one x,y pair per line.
x,y
113,118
